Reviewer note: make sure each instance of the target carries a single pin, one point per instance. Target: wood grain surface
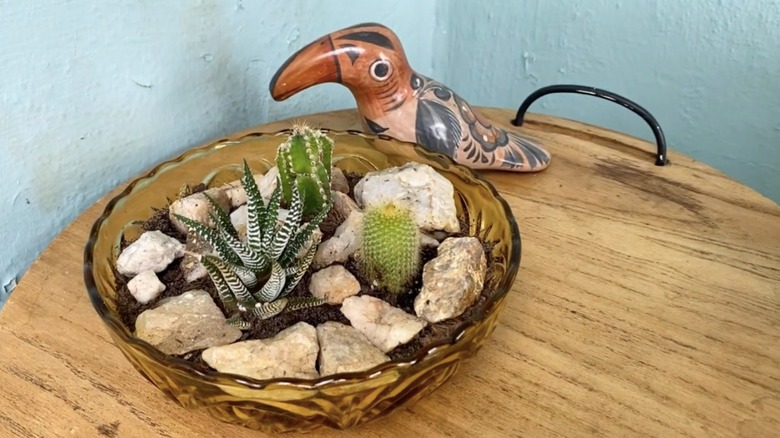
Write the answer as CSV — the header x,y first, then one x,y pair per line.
x,y
647,304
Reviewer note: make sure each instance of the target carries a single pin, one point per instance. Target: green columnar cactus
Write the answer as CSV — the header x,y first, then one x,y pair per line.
x,y
391,247
304,160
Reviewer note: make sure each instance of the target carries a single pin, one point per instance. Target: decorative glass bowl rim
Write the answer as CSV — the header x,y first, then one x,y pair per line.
x,y
220,378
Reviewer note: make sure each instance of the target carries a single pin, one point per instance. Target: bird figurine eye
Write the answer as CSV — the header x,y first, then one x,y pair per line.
x,y
380,70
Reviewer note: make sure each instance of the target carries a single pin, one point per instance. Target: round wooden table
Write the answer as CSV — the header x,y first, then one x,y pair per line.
x,y
647,304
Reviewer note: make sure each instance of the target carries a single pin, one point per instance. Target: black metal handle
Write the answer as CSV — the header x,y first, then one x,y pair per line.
x,y
660,141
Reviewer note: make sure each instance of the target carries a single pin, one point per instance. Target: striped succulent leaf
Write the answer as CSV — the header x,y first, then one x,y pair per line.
x,y
212,237
297,303
271,309
302,236
220,217
295,272
290,224
249,257
269,216
274,286
225,294
238,322
255,208
247,276
220,272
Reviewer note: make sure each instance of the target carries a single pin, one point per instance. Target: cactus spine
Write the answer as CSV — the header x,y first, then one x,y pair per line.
x,y
391,247
304,160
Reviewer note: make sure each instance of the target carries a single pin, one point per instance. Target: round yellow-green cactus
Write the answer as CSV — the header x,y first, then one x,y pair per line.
x,y
391,249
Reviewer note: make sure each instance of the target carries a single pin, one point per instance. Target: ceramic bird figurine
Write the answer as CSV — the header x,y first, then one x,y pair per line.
x,y
395,100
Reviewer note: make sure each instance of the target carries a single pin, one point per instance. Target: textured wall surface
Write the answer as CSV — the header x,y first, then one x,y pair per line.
x,y
91,93
708,70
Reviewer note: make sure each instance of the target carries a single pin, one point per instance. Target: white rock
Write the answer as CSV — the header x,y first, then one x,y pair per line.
x,y
338,182
343,206
153,251
291,353
193,269
347,238
197,207
239,218
145,287
184,323
453,280
235,190
428,240
190,264
439,235
427,193
384,325
334,284
268,182
343,349
228,196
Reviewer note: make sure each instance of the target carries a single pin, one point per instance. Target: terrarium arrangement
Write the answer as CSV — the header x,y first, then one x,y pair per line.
x,y
302,271
300,278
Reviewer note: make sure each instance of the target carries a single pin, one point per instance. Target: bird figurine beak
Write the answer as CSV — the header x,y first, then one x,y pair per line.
x,y
314,64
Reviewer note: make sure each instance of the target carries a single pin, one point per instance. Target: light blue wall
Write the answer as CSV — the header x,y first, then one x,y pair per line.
x,y
708,70
91,93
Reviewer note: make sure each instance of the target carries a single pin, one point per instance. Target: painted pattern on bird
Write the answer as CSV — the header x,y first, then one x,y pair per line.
x,y
395,100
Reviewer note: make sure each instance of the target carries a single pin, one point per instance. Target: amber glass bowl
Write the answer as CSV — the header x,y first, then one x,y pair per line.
x,y
339,401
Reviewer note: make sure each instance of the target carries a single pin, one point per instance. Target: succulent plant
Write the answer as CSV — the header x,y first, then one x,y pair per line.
x,y
257,275
304,162
390,254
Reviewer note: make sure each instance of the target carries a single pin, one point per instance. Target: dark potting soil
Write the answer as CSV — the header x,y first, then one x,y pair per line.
x,y
173,278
